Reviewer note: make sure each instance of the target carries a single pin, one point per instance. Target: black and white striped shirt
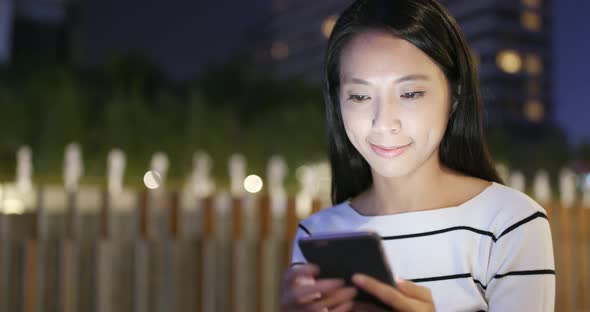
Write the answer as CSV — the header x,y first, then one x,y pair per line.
x,y
492,253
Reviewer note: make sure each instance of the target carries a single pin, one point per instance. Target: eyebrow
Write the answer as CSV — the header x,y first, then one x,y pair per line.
x,y
399,80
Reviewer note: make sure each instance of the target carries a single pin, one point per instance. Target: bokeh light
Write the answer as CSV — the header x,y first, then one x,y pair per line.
x,y
328,25
531,20
253,183
152,180
509,61
13,206
534,110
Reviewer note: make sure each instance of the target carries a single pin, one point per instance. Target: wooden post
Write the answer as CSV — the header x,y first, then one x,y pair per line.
x,y
236,218
316,205
292,223
264,218
208,218
583,235
174,207
143,216
567,226
105,217
564,251
31,288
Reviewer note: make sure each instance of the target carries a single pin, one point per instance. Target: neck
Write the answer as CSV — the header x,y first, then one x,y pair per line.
x,y
419,190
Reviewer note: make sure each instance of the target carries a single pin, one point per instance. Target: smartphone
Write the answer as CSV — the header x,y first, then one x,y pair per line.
x,y
341,255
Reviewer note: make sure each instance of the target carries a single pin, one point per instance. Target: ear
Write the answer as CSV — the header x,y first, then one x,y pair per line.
x,y
455,100
453,107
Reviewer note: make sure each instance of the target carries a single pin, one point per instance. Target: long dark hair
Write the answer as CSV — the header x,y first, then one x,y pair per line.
x,y
429,26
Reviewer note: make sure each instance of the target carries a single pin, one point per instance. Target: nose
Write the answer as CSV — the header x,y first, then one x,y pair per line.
x,y
386,117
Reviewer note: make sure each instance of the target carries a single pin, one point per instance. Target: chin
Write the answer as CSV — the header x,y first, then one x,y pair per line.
x,y
392,171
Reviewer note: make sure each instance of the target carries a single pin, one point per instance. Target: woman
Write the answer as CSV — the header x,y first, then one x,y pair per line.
x,y
404,122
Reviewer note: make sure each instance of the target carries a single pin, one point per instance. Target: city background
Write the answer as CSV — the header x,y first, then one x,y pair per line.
x,y
192,132
181,76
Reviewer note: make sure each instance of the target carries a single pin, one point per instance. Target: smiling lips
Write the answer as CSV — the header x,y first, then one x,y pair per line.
x,y
389,152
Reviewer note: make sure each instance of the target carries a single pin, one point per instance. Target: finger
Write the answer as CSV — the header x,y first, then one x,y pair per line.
x,y
413,290
305,269
306,294
336,298
345,307
386,293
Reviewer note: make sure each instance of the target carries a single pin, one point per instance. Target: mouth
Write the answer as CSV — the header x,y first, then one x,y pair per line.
x,y
389,151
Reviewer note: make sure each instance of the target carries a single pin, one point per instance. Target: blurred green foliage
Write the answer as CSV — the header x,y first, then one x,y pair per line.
x,y
127,104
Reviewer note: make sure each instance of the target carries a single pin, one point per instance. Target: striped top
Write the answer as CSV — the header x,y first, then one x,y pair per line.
x,y
491,253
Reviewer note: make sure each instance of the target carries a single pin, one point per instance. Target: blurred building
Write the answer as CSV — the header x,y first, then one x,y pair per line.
x,y
511,42
35,30
292,43
6,13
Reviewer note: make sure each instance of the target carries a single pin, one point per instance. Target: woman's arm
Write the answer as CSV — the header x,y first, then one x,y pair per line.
x,y
521,271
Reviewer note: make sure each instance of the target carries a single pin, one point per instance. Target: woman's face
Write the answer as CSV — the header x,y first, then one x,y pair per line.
x,y
394,101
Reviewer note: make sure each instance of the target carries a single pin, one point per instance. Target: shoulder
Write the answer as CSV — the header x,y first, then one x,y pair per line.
x,y
335,218
509,207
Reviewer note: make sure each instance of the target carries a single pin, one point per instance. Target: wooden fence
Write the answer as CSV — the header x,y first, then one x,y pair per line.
x,y
224,254
81,248
220,254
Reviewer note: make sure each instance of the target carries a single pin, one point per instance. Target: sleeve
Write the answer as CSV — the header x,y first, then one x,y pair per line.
x,y
521,271
296,255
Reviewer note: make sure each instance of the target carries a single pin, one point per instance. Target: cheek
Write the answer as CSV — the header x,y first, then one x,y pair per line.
x,y
353,127
355,122
436,125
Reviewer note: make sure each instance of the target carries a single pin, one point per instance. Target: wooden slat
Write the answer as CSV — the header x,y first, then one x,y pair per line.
x,y
141,278
564,276
71,220
174,208
292,223
105,216
234,258
199,275
265,217
208,218
236,218
104,282
210,279
31,276
4,267
583,237
143,216
265,221
316,205
69,270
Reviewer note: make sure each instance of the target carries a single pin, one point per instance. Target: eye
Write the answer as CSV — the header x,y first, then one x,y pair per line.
x,y
413,95
359,98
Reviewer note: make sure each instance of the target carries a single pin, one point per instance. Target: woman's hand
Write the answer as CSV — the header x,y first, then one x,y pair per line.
x,y
405,298
301,292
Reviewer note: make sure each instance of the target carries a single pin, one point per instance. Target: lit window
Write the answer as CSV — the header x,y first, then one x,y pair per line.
x,y
509,61
533,64
532,3
328,25
279,50
534,111
530,20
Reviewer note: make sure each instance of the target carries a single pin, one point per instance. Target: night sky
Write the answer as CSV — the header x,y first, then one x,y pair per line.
x,y
572,67
183,36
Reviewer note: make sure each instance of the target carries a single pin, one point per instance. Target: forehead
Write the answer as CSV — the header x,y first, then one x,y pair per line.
x,y
375,54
